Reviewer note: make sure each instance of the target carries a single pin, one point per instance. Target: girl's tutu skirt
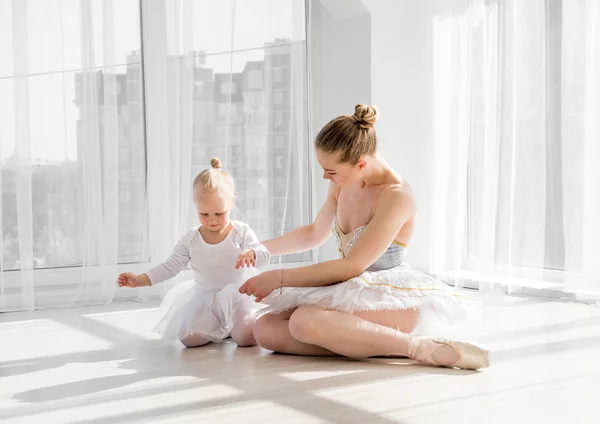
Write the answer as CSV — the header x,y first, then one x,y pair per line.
x,y
190,309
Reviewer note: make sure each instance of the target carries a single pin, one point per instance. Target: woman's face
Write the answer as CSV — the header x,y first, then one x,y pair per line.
x,y
342,174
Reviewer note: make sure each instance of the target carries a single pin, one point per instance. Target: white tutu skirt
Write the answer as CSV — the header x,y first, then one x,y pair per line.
x,y
386,290
189,309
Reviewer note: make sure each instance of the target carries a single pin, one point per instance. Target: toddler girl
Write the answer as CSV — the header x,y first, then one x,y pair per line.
x,y
222,253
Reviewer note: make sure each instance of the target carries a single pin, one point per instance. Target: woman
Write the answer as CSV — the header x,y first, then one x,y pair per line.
x,y
368,302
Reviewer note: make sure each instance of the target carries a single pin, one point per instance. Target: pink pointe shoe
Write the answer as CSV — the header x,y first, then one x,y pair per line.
x,y
470,355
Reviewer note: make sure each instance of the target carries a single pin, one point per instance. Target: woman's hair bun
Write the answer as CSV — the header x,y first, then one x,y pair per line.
x,y
366,116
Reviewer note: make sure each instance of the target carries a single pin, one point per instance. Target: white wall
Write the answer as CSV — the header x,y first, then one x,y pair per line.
x,y
400,59
340,72
402,74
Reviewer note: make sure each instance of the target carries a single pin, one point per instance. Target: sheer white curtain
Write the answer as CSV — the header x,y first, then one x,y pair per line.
x,y
517,144
167,28
108,109
71,150
227,79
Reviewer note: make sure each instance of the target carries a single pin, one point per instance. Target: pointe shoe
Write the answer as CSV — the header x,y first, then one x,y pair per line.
x,y
470,355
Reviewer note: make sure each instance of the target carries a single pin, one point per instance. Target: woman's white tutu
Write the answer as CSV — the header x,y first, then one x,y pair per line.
x,y
190,309
386,290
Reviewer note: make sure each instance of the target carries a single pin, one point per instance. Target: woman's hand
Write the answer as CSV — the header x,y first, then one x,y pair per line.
x,y
129,279
262,285
246,259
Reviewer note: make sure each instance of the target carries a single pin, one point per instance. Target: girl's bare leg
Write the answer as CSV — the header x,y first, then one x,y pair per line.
x,y
194,340
243,326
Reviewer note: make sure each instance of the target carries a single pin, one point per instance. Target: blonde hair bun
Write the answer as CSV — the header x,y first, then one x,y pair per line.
x,y
366,116
352,136
214,179
215,163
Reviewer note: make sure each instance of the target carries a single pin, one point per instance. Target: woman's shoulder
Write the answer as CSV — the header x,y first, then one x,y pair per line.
x,y
333,191
332,195
396,183
397,193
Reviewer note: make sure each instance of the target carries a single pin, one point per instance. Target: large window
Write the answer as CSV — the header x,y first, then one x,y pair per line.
x,y
70,111
526,159
515,140
258,91
74,133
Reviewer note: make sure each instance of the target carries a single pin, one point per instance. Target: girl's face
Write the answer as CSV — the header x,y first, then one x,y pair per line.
x,y
213,209
342,174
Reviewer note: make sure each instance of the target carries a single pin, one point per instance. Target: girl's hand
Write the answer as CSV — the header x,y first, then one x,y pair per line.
x,y
246,259
129,279
262,285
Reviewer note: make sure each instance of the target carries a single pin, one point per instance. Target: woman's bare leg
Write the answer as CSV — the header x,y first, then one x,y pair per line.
x,y
272,331
363,335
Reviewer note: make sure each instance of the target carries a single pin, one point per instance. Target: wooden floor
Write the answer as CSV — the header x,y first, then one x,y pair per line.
x,y
104,365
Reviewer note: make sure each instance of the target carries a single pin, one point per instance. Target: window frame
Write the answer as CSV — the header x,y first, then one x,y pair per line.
x,y
59,281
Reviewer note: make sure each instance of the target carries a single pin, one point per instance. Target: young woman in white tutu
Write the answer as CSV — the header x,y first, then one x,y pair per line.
x,y
222,253
369,302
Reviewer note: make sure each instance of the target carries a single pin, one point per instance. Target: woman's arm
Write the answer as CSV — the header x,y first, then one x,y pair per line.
x,y
309,236
394,209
